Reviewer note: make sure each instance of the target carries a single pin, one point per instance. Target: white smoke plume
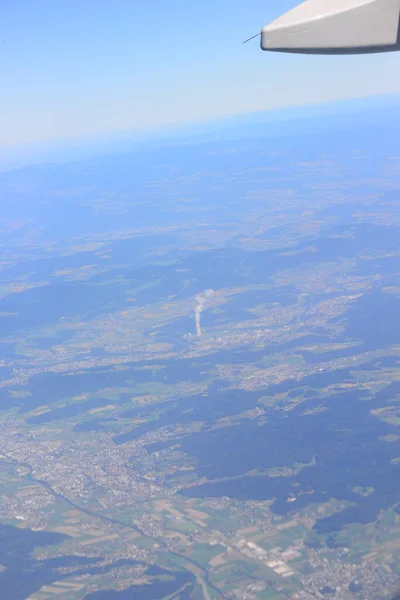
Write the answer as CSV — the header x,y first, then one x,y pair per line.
x,y
201,301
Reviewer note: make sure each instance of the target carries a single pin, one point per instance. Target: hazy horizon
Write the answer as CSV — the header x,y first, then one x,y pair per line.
x,y
81,147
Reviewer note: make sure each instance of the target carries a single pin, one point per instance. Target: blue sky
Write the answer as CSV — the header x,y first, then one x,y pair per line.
x,y
78,67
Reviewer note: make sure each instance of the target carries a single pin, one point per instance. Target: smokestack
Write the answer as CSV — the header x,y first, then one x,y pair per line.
x,y
201,301
198,326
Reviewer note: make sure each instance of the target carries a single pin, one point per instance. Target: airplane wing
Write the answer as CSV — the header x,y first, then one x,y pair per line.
x,y
336,27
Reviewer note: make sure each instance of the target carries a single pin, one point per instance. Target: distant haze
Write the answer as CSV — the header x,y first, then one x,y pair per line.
x,y
263,123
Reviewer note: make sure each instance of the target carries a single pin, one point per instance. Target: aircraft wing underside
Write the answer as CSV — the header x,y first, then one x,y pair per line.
x,y
335,27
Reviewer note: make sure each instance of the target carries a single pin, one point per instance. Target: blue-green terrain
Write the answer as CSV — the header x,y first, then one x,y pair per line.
x,y
200,365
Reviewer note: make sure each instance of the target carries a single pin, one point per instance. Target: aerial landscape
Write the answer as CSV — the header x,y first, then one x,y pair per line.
x,y
200,351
